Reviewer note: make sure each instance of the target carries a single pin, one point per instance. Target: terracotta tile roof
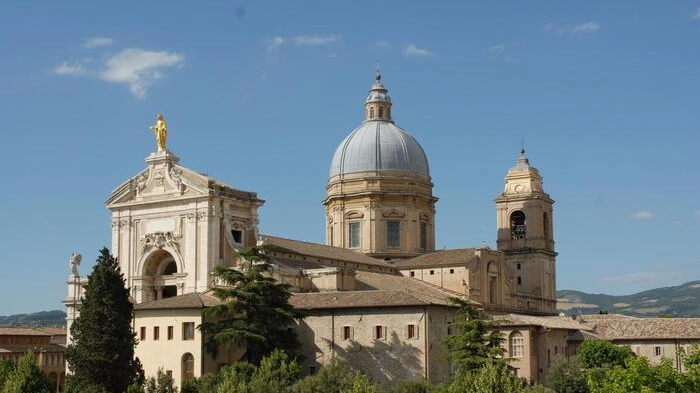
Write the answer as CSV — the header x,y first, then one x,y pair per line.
x,y
583,335
323,251
458,256
24,331
554,322
646,328
376,290
191,300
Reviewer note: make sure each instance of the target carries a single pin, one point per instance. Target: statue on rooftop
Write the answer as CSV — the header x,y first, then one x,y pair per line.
x,y
75,259
161,131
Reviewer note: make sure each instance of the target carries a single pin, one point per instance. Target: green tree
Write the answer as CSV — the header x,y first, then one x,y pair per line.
x,y
488,378
566,376
255,314
103,349
27,378
476,342
7,366
416,386
235,378
276,373
207,383
602,354
161,383
334,377
638,376
361,384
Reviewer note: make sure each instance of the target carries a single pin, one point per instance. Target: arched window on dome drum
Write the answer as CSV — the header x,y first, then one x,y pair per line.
x,y
371,113
517,225
393,234
516,344
381,113
354,234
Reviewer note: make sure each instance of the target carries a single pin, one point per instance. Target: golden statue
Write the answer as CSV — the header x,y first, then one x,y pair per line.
x,y
161,131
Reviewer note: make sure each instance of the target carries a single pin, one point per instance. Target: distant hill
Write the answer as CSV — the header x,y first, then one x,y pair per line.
x,y
43,318
680,301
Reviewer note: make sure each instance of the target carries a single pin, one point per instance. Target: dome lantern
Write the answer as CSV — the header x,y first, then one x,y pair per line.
x,y
378,102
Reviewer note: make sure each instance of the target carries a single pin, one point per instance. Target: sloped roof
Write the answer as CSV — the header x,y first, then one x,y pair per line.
x,y
323,251
458,256
646,328
194,300
23,348
553,322
25,331
376,290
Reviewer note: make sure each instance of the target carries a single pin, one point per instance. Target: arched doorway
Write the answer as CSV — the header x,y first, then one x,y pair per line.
x,y
187,367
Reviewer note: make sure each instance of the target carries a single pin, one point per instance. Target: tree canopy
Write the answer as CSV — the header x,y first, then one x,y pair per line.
x,y
255,313
475,342
27,377
103,351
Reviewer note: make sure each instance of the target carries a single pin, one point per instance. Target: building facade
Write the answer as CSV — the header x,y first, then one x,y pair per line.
x,y
376,293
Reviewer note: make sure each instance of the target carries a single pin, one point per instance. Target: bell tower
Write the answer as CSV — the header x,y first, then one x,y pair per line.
x,y
525,236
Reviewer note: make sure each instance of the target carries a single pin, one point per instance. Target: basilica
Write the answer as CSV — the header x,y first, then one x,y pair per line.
x,y
376,294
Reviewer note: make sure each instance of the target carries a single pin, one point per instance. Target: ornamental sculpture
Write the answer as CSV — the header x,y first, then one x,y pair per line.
x,y
161,131
75,259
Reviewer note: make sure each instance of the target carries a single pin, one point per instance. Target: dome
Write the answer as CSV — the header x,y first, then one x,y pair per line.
x,y
379,146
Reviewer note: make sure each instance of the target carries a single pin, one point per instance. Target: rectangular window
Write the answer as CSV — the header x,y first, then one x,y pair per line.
x,y
156,332
413,274
170,332
188,330
411,331
347,333
354,234
658,351
520,280
312,370
424,235
237,236
142,336
393,233
432,272
518,266
452,271
379,332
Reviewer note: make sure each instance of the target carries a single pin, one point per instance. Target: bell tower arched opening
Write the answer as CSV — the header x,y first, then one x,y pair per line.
x,y
518,225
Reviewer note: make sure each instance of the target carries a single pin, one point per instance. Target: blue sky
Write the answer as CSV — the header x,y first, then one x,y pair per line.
x,y
259,94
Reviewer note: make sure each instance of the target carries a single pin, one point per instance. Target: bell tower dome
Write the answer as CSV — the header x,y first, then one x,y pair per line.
x,y
525,236
379,193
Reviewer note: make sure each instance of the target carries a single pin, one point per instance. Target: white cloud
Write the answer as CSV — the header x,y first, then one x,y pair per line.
x,y
644,215
307,40
275,43
412,50
382,44
639,277
583,28
504,52
696,15
70,69
98,41
139,68
589,27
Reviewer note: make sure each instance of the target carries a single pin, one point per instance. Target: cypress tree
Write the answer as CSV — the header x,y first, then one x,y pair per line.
x,y
103,351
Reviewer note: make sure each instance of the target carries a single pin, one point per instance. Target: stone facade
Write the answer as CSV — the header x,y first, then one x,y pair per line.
x,y
47,344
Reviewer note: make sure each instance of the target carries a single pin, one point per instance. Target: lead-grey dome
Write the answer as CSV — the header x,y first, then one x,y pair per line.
x,y
379,146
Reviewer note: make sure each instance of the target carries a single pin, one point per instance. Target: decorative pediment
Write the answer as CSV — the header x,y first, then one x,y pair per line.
x,y
393,213
424,217
354,214
159,240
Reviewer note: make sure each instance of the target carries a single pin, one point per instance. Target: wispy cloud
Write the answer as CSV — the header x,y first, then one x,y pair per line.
x,y
412,50
97,41
70,69
696,15
382,44
138,68
639,277
583,28
643,215
303,40
503,51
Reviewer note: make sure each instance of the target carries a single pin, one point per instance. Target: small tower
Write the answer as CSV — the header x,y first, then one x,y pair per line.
x,y
525,236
